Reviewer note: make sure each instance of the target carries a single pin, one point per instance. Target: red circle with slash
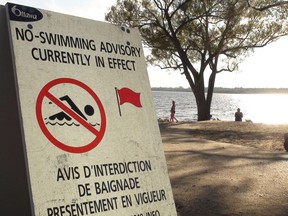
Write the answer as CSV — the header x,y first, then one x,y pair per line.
x,y
64,146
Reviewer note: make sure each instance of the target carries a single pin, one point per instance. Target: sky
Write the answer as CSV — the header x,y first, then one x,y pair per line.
x,y
265,68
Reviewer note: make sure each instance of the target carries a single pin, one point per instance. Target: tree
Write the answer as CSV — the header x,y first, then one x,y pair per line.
x,y
264,5
201,36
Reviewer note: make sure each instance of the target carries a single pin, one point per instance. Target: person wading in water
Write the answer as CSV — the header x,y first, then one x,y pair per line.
x,y
172,111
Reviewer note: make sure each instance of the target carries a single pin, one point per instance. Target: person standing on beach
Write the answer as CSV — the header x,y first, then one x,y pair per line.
x,y
238,115
172,112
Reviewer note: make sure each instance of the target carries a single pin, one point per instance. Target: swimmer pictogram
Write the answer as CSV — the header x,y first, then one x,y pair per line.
x,y
71,115
62,116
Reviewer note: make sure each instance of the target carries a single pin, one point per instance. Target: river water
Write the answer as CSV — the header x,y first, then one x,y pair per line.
x,y
259,108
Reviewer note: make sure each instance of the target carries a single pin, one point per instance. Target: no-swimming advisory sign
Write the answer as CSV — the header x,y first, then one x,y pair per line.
x,y
91,139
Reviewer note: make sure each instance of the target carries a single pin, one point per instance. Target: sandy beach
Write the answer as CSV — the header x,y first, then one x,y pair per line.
x,y
227,168
262,136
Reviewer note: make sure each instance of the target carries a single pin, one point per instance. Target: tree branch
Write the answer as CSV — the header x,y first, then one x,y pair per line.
x,y
277,4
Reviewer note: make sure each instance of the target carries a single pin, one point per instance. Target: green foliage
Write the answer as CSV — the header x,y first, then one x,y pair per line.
x,y
204,30
197,36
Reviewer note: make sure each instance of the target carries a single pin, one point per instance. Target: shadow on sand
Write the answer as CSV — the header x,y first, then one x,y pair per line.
x,y
219,179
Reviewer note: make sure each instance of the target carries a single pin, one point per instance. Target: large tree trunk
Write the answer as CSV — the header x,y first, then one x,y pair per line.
x,y
211,89
203,107
203,111
204,101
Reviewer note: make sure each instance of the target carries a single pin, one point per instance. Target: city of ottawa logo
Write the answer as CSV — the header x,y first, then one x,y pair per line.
x,y
23,13
71,115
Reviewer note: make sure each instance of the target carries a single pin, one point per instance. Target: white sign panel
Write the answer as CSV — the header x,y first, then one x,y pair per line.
x,y
92,141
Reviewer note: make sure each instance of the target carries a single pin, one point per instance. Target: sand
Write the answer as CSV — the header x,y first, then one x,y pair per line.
x,y
227,168
263,136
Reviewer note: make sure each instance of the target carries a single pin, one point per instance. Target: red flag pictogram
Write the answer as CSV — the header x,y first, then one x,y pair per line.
x,y
127,95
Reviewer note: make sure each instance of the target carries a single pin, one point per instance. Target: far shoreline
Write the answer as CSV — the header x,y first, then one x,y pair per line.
x,y
221,90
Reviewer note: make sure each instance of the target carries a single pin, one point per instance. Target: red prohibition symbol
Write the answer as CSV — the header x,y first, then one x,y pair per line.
x,y
44,93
